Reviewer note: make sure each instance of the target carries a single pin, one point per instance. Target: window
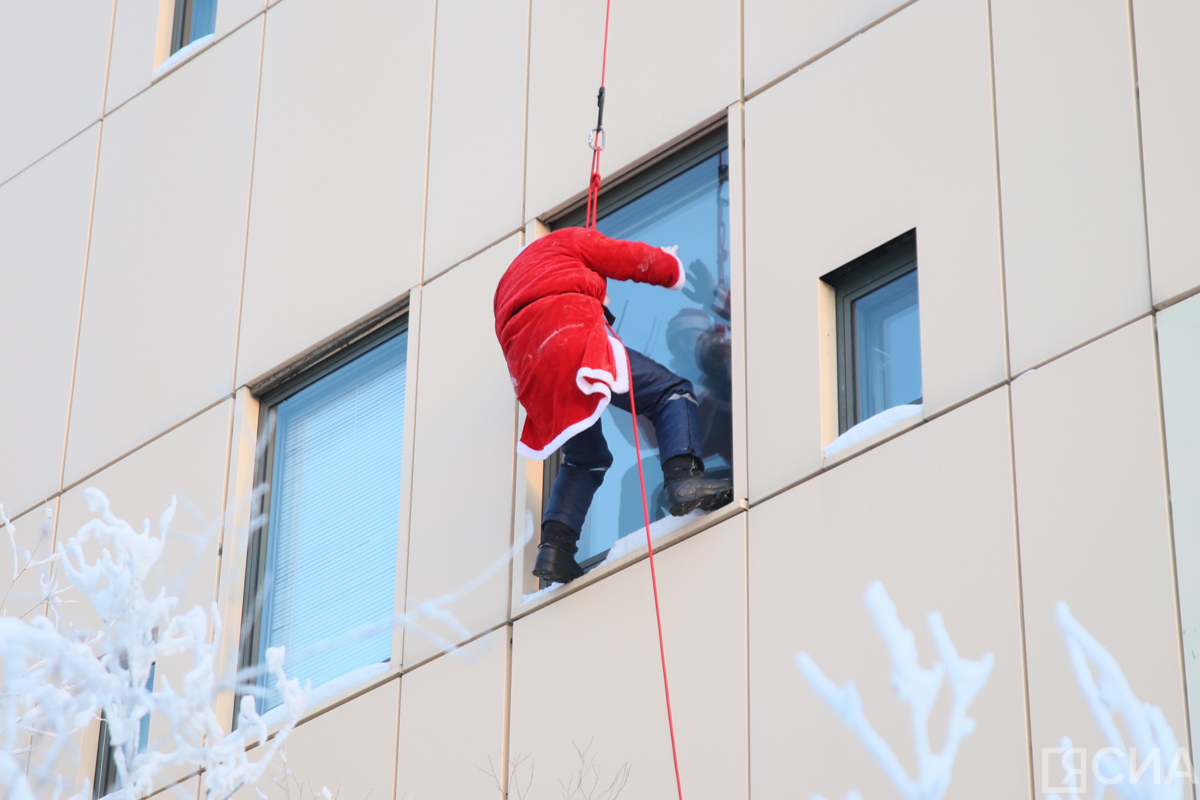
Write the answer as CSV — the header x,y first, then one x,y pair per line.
x,y
681,200
194,19
878,331
323,561
107,779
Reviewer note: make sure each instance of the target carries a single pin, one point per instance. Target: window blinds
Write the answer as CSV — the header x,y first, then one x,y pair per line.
x,y
334,514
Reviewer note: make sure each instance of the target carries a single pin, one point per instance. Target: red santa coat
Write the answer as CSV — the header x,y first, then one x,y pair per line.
x,y
564,364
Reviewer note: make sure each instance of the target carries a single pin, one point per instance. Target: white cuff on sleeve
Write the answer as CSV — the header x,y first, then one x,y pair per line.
x,y
682,279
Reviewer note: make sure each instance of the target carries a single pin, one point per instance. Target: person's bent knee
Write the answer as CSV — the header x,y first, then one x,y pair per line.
x,y
598,463
683,393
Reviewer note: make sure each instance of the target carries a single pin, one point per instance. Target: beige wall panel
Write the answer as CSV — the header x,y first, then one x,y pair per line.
x,y
1074,233
189,464
783,34
43,245
135,53
232,13
351,750
339,166
936,528
667,72
1179,357
135,37
1092,500
1168,65
586,674
52,59
464,442
452,723
828,180
476,135
34,539
160,310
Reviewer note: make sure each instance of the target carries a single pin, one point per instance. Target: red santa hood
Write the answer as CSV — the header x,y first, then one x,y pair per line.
x,y
564,363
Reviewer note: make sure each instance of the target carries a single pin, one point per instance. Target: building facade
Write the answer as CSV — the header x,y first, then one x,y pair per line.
x,y
939,314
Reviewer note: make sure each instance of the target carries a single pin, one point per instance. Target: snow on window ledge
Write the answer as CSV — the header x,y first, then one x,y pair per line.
x,y
329,690
881,423
182,55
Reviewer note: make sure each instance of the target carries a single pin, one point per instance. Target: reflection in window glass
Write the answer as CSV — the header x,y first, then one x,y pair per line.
x,y
688,332
334,513
887,341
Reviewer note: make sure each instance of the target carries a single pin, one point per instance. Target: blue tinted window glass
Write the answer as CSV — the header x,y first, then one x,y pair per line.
x,y
204,18
887,345
688,332
334,516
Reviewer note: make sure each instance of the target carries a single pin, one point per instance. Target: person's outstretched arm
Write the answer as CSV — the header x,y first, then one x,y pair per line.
x,y
631,261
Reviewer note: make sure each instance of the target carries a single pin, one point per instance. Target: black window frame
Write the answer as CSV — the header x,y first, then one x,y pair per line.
x,y
865,274
272,391
639,182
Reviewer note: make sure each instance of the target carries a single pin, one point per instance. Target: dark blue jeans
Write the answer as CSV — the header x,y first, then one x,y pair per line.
x,y
666,399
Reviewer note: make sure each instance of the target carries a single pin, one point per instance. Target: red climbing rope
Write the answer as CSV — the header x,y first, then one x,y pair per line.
x,y
662,652
596,138
596,142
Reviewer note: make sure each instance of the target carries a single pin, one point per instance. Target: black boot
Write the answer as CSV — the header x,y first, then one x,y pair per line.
x,y
556,554
686,488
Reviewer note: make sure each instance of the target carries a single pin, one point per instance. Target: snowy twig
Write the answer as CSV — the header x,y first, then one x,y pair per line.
x,y
918,688
1147,725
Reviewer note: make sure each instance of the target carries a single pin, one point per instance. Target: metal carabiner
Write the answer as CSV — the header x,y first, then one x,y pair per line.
x,y
596,139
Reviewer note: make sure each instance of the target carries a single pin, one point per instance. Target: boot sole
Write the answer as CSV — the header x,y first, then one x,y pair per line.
x,y
703,503
553,577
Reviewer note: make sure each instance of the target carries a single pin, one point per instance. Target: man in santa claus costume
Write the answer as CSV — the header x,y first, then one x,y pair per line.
x,y
567,366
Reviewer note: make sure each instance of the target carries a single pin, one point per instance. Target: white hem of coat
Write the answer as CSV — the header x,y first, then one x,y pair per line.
x,y
589,381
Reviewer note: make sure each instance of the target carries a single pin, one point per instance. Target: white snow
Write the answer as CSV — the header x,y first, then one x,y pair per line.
x,y
329,689
872,426
525,598
658,529
916,686
184,54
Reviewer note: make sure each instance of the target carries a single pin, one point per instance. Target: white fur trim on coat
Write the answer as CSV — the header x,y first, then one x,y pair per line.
x,y
589,381
682,279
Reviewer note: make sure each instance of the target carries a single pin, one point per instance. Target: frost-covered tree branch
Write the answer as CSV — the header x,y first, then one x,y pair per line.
x,y
56,683
1110,695
915,686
